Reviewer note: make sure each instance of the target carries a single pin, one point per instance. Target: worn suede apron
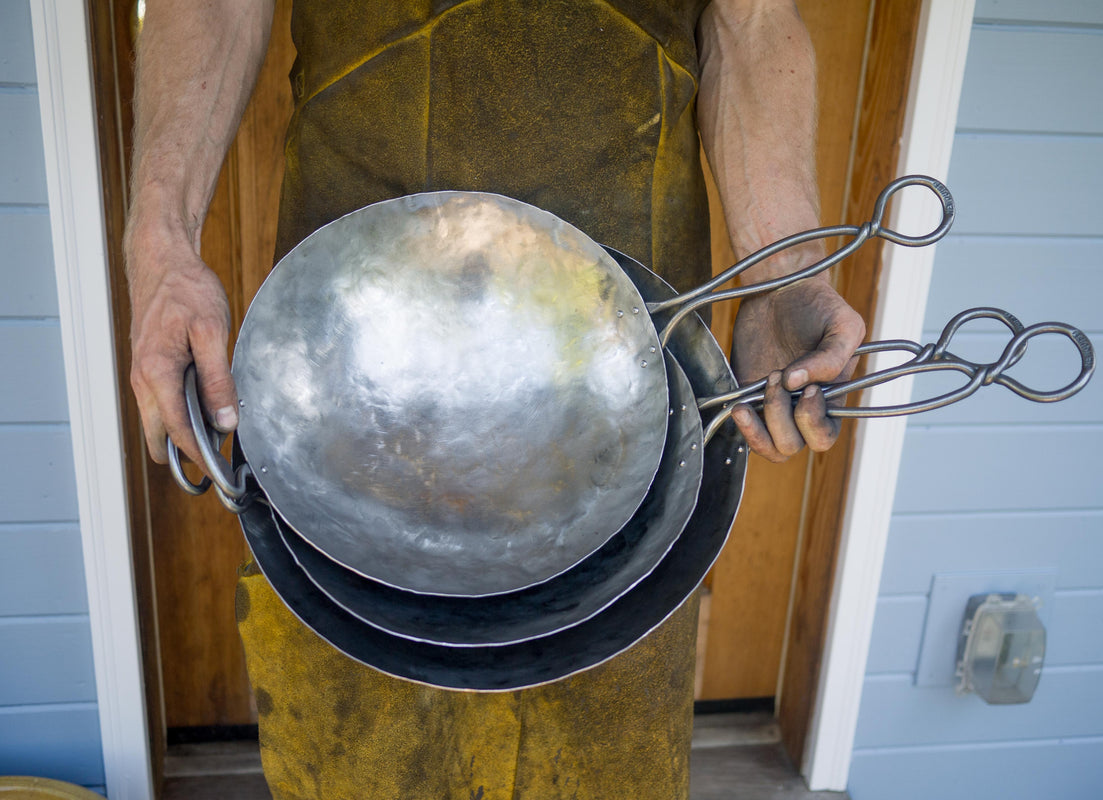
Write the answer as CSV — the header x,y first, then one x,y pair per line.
x,y
585,109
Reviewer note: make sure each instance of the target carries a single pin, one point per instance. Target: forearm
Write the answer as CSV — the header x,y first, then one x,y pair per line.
x,y
196,67
757,115
197,64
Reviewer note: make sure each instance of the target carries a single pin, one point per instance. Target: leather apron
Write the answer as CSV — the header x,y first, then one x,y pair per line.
x,y
584,108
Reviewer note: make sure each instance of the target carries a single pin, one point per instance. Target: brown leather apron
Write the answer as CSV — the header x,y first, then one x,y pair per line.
x,y
585,109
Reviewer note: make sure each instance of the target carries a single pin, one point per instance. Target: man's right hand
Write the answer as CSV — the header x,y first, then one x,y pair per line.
x,y
180,315
196,66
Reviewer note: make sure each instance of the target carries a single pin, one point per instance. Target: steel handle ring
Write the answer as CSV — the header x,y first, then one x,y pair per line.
x,y
177,470
1014,351
945,199
208,441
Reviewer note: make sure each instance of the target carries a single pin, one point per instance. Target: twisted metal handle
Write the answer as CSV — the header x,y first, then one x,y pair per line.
x,y
230,486
935,357
705,294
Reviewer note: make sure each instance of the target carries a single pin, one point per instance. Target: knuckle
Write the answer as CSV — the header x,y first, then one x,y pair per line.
x,y
790,448
208,328
219,385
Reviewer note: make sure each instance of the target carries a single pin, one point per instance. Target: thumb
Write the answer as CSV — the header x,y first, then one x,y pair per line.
x,y
216,384
831,360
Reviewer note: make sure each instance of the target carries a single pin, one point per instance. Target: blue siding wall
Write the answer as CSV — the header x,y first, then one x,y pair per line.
x,y
995,483
49,721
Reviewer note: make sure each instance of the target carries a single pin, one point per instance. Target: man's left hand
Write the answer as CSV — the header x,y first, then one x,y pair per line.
x,y
798,337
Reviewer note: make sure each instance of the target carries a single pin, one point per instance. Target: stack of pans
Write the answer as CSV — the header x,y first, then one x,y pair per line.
x,y
470,452
580,617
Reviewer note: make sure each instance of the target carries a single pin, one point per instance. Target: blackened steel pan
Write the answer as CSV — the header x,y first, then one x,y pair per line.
x,y
541,660
592,585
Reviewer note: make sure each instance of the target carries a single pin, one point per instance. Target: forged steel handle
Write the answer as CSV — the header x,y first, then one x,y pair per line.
x,y
705,294
935,357
229,486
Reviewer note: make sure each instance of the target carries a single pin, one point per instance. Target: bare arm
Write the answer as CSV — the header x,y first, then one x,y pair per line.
x,y
197,64
757,114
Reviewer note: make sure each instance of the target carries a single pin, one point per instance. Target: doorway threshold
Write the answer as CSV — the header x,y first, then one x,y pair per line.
x,y
740,754
735,754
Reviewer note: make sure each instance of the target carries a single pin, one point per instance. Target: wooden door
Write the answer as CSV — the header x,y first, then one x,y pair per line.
x,y
198,546
769,587
749,589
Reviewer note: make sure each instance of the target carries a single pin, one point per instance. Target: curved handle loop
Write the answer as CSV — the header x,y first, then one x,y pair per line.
x,y
177,469
229,486
705,294
944,198
934,357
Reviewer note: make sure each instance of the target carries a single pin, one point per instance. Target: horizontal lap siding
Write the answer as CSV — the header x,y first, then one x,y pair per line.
x,y
1013,468
1066,703
47,658
49,722
1068,541
32,349
1041,12
29,290
1063,275
1020,64
1007,771
41,571
1024,185
59,741
1075,632
997,483
22,168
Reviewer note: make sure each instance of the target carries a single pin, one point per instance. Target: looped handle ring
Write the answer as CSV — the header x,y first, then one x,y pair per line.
x,y
177,469
933,357
230,486
944,198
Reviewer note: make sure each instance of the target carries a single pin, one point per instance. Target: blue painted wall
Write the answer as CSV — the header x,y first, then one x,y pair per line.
x,y
49,721
997,483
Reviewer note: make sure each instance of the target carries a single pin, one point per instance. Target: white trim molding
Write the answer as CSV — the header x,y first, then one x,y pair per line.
x,y
933,97
62,60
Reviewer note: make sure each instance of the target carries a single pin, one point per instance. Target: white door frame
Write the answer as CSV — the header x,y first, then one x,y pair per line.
x,y
931,116
63,64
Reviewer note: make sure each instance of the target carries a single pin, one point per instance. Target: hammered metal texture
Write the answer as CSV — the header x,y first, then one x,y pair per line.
x,y
451,393
557,604
608,633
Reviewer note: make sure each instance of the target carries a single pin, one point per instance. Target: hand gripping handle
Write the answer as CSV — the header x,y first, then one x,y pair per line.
x,y
229,486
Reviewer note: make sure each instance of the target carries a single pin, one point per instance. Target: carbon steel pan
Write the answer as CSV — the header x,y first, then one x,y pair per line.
x,y
556,604
529,663
451,393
